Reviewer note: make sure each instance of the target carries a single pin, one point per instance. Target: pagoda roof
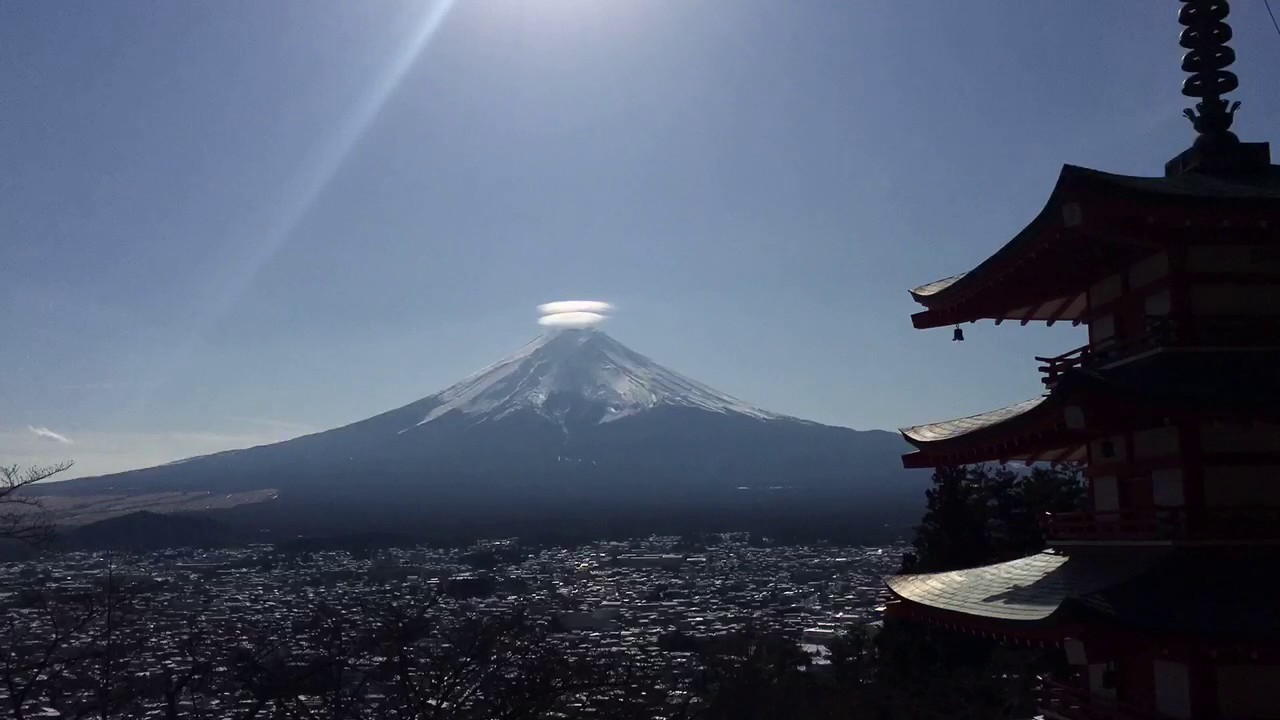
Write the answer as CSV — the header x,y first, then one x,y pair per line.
x,y
1191,186
952,429
1205,594
1033,430
1092,222
1220,384
935,287
1029,590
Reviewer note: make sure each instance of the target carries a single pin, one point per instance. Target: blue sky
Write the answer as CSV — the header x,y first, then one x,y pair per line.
x,y
228,223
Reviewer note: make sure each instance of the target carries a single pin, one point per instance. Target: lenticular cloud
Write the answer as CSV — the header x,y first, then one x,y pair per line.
x,y
575,306
573,313
572,320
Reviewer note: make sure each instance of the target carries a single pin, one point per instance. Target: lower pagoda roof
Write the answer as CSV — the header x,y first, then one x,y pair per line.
x,y
1218,384
952,429
1029,591
1201,594
1032,430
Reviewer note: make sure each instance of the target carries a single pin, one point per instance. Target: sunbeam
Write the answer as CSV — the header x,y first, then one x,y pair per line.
x,y
312,181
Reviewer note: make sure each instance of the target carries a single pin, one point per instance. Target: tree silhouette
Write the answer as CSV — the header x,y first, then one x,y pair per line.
x,y
977,514
23,517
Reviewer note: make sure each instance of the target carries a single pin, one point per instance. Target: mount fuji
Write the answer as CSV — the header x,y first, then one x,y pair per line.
x,y
576,376
572,419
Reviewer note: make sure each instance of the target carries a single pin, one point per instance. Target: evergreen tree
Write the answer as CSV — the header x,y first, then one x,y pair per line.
x,y
978,514
1053,489
952,533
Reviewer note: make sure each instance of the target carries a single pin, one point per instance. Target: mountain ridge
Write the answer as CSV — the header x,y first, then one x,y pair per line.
x,y
572,417
585,362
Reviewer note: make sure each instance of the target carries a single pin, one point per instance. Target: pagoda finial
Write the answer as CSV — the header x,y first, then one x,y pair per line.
x,y
1217,150
1205,38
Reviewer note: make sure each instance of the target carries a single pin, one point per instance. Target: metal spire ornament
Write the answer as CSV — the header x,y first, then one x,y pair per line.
x,y
1205,38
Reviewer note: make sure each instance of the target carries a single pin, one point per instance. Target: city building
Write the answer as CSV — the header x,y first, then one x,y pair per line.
x,y
1159,592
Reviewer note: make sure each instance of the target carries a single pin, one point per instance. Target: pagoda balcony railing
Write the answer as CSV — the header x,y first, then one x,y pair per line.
x,y
1223,331
1159,332
1130,525
1066,702
1054,367
1245,524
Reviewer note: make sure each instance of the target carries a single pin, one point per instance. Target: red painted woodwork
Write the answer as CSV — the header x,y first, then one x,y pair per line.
x,y
1059,700
1165,524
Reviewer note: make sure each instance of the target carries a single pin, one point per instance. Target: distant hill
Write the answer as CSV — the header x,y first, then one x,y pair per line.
x,y
149,531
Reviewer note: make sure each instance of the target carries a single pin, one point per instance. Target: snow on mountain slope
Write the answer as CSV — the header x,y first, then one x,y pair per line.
x,y
583,363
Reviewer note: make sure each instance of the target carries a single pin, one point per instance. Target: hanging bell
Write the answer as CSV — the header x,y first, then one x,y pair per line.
x,y
957,335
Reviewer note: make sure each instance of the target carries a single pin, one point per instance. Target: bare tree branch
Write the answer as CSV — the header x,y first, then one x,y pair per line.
x,y
24,517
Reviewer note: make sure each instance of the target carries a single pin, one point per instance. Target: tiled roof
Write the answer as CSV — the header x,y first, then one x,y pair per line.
x,y
1240,380
1187,188
936,286
1028,590
1260,187
949,429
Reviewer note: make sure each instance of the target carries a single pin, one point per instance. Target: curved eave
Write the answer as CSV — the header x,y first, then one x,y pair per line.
x,y
1030,431
923,435
947,290
1025,593
1046,254
1047,633
1229,385
923,293
1069,306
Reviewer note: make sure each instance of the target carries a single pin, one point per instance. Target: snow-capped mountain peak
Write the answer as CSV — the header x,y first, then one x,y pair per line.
x,y
579,365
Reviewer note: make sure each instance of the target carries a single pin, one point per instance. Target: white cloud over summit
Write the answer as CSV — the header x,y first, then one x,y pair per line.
x,y
574,313
571,306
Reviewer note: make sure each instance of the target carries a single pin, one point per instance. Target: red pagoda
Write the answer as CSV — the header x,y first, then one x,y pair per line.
x,y
1161,594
